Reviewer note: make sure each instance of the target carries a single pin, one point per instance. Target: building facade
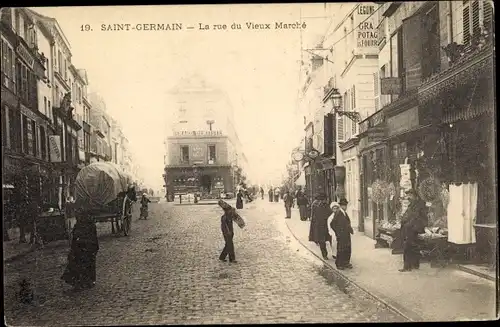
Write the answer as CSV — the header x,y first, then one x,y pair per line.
x,y
203,151
356,58
434,90
25,128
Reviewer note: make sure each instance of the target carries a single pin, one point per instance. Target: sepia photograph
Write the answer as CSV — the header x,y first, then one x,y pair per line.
x,y
249,163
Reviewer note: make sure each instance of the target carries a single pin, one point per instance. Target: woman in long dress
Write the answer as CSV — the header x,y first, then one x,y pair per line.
x,y
81,269
239,200
318,230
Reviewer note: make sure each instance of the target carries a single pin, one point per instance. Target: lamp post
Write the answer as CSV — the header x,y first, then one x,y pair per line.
x,y
339,171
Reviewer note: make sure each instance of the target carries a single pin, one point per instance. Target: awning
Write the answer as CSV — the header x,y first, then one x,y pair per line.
x,y
462,73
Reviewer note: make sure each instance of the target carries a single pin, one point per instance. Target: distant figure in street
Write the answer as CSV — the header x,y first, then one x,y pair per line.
x,y
318,231
226,225
341,226
412,224
270,193
239,200
288,200
277,194
144,206
302,202
81,269
247,196
262,193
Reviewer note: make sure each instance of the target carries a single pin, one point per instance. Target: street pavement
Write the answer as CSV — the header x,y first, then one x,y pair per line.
x,y
167,272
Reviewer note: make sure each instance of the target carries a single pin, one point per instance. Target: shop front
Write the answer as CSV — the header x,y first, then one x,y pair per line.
x,y
209,181
464,95
351,190
372,160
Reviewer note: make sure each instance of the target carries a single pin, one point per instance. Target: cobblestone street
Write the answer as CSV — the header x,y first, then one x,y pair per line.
x,y
167,271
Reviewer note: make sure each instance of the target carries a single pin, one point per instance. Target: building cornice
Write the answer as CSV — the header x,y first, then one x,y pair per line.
x,y
350,143
345,18
87,102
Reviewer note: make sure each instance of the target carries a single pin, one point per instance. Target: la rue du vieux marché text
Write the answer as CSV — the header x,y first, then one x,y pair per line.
x,y
200,26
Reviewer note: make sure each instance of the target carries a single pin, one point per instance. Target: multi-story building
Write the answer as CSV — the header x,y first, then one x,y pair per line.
x,y
25,126
353,42
64,143
87,107
203,152
100,126
434,89
78,83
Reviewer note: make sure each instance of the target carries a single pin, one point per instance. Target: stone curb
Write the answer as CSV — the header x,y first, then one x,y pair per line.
x,y
475,273
19,255
31,249
405,313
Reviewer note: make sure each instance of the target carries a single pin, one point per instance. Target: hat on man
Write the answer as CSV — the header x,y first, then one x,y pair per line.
x,y
334,204
343,202
411,191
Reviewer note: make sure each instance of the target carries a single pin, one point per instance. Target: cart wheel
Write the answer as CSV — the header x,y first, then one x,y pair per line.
x,y
126,225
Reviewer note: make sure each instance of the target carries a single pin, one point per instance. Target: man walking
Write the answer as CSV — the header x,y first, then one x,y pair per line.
x,y
412,224
226,226
288,200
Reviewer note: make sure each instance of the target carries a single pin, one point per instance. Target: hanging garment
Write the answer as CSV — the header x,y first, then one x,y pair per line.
x,y
462,208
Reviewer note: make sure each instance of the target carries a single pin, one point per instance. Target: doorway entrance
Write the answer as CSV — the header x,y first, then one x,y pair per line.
x,y
206,183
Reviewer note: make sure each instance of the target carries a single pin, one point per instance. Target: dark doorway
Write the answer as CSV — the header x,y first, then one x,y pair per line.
x,y
206,183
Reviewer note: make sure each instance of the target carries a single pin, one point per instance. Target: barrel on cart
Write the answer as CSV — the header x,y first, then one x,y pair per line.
x,y
107,194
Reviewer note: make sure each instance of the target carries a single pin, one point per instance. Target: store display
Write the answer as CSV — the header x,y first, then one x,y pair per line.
x,y
461,213
429,189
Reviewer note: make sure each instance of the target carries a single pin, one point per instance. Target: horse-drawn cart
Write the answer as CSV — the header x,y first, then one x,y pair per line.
x,y
104,192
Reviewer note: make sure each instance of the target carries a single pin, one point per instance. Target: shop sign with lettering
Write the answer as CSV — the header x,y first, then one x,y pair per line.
x,y
198,133
55,148
367,33
197,152
28,113
25,55
390,85
403,122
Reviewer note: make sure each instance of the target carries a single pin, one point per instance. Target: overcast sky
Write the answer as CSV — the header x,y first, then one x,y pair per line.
x,y
258,69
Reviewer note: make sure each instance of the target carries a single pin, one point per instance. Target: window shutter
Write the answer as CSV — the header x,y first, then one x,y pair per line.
x,y
476,29
340,128
412,51
488,15
376,90
466,24
354,97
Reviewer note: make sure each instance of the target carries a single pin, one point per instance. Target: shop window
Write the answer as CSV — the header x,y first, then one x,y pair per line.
x,y
184,154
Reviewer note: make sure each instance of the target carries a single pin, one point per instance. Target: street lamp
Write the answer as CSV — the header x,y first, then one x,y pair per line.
x,y
336,99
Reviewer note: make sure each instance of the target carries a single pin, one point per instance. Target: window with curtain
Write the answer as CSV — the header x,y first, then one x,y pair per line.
x,y
34,145
15,130
26,132
5,131
43,143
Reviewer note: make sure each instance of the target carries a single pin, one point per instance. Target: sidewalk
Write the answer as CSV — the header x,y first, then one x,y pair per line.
x,y
429,294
